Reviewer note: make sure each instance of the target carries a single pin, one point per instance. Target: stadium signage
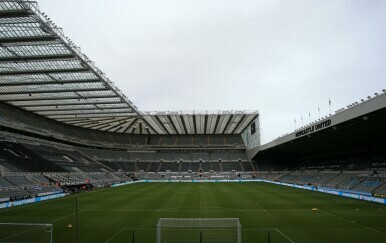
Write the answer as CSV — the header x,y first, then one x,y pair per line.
x,y
314,128
31,200
124,183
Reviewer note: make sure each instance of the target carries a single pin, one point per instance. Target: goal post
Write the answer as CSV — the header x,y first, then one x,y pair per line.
x,y
26,232
199,230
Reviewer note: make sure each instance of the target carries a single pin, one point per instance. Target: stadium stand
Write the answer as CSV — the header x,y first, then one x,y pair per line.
x,y
48,141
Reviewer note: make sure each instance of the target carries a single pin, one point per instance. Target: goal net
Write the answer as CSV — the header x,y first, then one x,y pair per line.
x,y
199,230
19,232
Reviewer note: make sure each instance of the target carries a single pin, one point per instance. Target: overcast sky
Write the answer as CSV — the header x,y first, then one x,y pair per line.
x,y
283,58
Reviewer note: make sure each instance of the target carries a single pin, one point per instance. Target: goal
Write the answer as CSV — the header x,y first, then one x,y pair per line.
x,y
199,230
20,232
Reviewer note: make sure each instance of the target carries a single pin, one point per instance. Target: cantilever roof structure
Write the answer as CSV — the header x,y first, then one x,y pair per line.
x,y
44,72
171,123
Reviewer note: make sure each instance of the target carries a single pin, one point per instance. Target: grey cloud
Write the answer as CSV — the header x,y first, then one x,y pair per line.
x,y
283,58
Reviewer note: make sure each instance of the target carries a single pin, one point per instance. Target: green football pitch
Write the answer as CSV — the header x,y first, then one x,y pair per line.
x,y
115,214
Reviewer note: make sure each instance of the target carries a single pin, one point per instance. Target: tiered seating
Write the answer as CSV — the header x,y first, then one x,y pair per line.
x,y
105,154
26,160
289,178
120,166
19,181
113,165
96,179
199,156
70,160
216,156
171,156
247,166
237,156
67,179
82,178
195,166
381,190
353,181
142,166
338,179
39,190
7,166
272,176
231,166
350,183
154,166
172,166
101,179
4,184
304,178
206,166
121,177
368,184
163,157
215,166
14,193
185,166
323,178
125,166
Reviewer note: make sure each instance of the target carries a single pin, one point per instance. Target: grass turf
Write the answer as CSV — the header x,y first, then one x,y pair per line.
x,y
111,215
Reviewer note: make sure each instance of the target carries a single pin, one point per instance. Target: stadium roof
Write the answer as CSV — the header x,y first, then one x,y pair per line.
x,y
44,72
357,122
165,123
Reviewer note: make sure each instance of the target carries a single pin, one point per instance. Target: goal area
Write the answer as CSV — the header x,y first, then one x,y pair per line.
x,y
199,230
20,232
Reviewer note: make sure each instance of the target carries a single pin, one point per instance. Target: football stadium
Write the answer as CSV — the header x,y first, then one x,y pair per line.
x,y
79,162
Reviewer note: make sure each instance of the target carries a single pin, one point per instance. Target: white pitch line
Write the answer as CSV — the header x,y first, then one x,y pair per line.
x,y
22,232
124,229
200,210
269,229
67,216
285,236
350,221
117,233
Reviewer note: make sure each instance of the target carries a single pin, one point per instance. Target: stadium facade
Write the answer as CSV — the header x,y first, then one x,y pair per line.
x,y
64,126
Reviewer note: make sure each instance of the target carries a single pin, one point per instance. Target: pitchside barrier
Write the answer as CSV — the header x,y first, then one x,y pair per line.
x,y
342,193
49,197
18,232
31,200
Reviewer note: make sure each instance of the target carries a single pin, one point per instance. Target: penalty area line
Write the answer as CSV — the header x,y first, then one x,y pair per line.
x,y
284,235
269,230
353,222
117,233
37,225
120,231
200,210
